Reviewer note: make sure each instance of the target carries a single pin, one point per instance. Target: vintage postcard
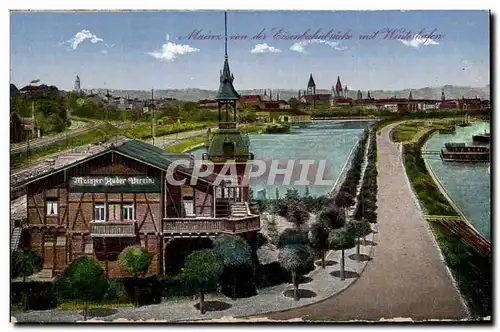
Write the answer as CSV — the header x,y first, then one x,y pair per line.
x,y
250,166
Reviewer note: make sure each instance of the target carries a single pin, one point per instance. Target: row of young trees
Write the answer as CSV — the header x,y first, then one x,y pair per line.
x,y
333,231
367,198
347,192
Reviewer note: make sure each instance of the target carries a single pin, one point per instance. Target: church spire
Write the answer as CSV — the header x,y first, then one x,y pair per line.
x,y
226,88
311,83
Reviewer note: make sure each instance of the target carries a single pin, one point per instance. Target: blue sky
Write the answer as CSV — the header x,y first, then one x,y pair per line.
x,y
144,50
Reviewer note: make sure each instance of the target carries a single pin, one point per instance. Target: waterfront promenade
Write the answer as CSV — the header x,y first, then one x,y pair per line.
x,y
407,277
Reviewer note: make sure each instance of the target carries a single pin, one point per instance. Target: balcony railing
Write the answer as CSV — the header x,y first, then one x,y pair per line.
x,y
211,225
113,228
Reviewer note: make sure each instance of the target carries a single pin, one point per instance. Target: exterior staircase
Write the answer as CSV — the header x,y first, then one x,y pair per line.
x,y
239,210
15,237
222,209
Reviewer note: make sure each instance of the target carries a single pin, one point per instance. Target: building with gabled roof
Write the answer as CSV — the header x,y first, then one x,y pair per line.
x,y
124,196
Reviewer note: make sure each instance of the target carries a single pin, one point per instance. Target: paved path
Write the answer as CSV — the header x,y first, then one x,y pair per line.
x,y
407,277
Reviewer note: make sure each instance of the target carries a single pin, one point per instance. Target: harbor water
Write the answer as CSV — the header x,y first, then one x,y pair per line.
x,y
330,142
468,184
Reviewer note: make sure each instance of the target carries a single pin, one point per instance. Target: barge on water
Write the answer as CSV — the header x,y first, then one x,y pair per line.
x,y
463,153
481,138
448,130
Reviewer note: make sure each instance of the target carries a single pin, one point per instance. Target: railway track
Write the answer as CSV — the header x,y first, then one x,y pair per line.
x,y
47,140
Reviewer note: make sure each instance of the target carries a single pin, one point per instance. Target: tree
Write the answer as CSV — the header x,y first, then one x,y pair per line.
x,y
25,263
294,258
319,240
135,260
332,217
292,236
236,255
358,229
84,280
341,240
202,270
344,200
297,213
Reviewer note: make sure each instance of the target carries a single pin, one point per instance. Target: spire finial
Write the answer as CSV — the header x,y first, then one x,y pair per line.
x,y
225,34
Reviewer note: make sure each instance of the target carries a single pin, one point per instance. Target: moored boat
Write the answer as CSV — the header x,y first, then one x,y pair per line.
x,y
463,153
481,138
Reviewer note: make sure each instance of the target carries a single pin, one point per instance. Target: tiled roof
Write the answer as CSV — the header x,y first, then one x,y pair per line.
x,y
149,154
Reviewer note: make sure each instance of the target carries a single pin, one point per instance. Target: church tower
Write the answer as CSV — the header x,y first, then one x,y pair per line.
x,y
359,95
77,87
311,89
338,88
227,143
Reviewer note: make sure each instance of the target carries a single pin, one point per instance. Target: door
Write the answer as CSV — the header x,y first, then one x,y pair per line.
x,y
114,212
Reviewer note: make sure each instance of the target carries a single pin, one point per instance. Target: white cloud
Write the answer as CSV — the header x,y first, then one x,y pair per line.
x,y
301,46
170,51
416,43
109,46
80,37
264,48
104,51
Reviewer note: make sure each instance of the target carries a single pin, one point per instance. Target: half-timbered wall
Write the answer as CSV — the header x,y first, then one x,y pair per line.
x,y
65,235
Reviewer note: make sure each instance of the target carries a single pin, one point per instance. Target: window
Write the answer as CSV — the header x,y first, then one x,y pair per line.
x,y
52,207
128,212
99,212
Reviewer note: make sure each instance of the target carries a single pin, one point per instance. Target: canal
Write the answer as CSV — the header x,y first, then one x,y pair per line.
x,y
468,185
330,142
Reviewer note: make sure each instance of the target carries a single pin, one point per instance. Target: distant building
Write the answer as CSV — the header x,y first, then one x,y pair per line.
x,y
77,86
250,99
208,103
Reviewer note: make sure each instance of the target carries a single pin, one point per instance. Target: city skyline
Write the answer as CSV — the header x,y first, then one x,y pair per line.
x,y
166,50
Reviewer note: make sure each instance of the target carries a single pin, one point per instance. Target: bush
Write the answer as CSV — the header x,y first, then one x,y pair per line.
x,y
117,293
25,263
33,295
269,275
143,291
83,280
175,286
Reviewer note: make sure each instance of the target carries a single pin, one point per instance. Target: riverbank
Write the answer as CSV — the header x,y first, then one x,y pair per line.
x,y
470,268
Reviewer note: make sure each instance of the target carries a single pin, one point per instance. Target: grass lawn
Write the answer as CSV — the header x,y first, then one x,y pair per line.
x,y
79,305
407,131
427,191
144,130
471,270
187,144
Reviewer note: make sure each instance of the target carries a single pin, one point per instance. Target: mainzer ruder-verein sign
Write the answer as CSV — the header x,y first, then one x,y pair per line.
x,y
114,184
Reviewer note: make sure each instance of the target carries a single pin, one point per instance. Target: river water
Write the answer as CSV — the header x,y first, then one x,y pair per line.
x,y
468,185
330,142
